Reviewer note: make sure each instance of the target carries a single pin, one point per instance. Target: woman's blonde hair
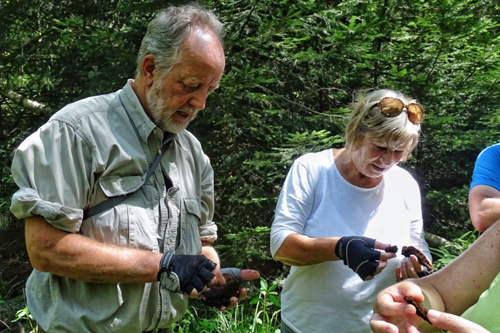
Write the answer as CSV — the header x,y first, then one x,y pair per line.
x,y
367,121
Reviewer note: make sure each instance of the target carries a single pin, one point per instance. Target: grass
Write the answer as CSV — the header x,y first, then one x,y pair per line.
x,y
258,313
11,318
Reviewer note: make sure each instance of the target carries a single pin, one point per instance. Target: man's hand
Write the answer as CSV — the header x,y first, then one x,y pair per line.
x,y
391,313
186,273
359,254
454,324
244,274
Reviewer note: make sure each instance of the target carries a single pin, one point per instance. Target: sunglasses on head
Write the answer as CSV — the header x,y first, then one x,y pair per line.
x,y
392,107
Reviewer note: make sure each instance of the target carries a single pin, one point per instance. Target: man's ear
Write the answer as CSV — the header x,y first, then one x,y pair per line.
x,y
148,67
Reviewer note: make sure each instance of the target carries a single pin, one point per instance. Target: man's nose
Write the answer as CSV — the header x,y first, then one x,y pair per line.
x,y
198,100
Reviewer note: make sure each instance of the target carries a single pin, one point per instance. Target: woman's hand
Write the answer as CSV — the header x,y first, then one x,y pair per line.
x,y
384,257
362,256
408,268
454,324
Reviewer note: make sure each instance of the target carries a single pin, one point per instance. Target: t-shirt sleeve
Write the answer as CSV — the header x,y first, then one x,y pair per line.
x,y
414,204
294,205
50,168
487,168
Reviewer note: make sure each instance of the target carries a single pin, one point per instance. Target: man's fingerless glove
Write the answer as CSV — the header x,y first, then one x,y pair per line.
x,y
358,254
231,270
183,272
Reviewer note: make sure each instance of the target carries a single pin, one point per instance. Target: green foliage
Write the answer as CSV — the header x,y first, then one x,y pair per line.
x,y
252,246
293,66
453,249
23,314
265,171
14,315
264,303
446,203
260,315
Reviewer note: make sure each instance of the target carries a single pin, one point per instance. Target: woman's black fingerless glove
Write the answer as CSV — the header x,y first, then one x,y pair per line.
x,y
358,253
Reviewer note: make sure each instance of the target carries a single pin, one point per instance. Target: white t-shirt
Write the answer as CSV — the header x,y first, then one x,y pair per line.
x,y
317,201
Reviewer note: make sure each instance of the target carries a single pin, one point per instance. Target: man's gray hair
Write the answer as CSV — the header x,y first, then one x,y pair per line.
x,y
168,30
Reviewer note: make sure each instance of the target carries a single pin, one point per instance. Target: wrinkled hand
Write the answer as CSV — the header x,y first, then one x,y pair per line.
x,y
453,324
359,254
391,314
185,273
244,274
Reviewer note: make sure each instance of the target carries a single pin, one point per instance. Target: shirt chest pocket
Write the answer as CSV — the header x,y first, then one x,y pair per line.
x,y
116,186
190,234
128,223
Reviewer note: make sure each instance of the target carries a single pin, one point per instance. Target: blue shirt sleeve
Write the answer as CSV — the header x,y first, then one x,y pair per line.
x,y
487,168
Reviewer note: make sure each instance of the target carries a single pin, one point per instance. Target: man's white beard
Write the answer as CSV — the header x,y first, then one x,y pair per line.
x,y
155,98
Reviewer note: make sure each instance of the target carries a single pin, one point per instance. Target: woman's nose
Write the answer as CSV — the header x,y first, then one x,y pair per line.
x,y
390,157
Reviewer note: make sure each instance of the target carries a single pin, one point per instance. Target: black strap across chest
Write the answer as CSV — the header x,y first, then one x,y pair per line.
x,y
110,203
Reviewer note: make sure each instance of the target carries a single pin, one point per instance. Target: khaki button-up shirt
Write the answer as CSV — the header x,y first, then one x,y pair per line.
x,y
92,150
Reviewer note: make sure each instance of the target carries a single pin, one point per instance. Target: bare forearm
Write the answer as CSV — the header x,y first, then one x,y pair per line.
x,y
487,214
208,251
300,250
484,206
463,280
77,257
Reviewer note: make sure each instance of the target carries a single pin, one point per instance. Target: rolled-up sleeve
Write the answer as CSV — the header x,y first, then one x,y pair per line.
x,y
294,205
207,227
50,169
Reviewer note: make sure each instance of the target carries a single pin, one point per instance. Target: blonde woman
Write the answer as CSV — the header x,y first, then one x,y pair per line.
x,y
338,211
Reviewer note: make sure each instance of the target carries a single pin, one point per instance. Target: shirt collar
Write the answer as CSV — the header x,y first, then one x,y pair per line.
x,y
136,112
138,115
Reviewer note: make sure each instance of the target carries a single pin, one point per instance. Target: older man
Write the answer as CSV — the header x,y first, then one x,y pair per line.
x,y
128,264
